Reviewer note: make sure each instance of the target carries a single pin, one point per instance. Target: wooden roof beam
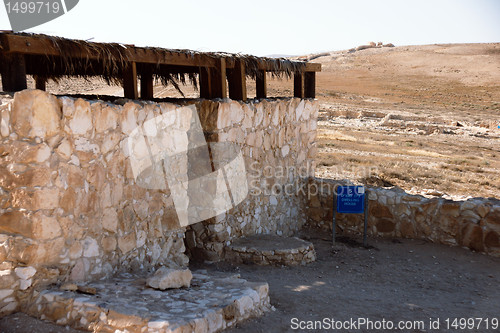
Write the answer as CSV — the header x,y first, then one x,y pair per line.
x,y
10,43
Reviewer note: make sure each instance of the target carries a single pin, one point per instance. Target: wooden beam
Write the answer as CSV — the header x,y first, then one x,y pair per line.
x,y
310,84
237,82
218,84
130,81
13,72
40,82
313,67
147,83
205,83
45,46
298,84
261,84
11,43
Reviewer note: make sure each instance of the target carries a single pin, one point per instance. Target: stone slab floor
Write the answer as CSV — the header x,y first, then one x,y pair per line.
x,y
124,304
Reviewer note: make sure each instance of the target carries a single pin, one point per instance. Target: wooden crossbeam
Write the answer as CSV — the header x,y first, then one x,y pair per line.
x,y
237,82
261,85
130,81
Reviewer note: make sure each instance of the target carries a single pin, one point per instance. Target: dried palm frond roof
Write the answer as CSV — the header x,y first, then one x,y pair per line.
x,y
52,57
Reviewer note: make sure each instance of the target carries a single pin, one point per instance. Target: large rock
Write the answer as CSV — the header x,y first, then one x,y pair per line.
x,y
36,113
168,278
81,122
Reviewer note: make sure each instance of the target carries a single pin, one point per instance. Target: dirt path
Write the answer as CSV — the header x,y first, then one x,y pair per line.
x,y
395,280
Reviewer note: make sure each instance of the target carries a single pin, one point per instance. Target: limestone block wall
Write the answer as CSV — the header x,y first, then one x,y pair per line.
x,y
277,139
70,207
472,223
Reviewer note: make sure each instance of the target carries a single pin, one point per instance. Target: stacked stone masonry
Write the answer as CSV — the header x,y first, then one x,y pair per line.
x,y
70,209
270,250
277,138
472,223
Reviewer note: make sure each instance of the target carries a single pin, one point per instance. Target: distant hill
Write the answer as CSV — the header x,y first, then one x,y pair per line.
x,y
280,56
440,74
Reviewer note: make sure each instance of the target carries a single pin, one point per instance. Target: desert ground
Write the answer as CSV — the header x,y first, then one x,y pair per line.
x,y
423,118
426,117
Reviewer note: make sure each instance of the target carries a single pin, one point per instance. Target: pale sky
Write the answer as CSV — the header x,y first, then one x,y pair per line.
x,y
263,27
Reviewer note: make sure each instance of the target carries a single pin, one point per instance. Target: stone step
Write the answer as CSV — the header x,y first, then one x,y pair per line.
x,y
270,250
214,302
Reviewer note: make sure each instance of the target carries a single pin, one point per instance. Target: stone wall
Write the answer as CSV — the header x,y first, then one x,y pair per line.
x,y
472,223
277,139
70,208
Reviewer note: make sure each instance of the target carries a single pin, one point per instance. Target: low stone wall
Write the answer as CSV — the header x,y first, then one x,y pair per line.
x,y
70,207
214,303
472,223
270,250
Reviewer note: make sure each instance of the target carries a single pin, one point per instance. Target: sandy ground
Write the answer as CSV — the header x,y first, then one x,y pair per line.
x,y
395,280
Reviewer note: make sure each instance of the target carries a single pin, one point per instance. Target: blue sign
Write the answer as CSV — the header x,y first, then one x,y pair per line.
x,y
351,199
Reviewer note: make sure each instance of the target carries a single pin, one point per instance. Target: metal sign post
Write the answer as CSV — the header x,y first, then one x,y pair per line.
x,y
365,227
334,213
350,200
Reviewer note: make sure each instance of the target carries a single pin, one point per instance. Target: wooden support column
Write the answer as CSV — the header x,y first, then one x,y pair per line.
x,y
261,84
147,84
298,84
218,84
237,82
310,84
13,72
130,81
40,82
205,83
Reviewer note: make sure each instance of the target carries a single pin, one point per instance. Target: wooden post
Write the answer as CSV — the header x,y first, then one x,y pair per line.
x,y
237,82
13,72
147,84
310,85
218,84
130,81
261,84
40,82
205,83
298,84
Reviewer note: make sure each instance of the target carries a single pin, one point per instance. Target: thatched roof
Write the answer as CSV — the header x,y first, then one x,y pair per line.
x,y
51,57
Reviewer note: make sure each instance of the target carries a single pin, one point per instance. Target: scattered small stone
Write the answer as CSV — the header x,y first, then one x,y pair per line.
x,y
69,287
87,290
